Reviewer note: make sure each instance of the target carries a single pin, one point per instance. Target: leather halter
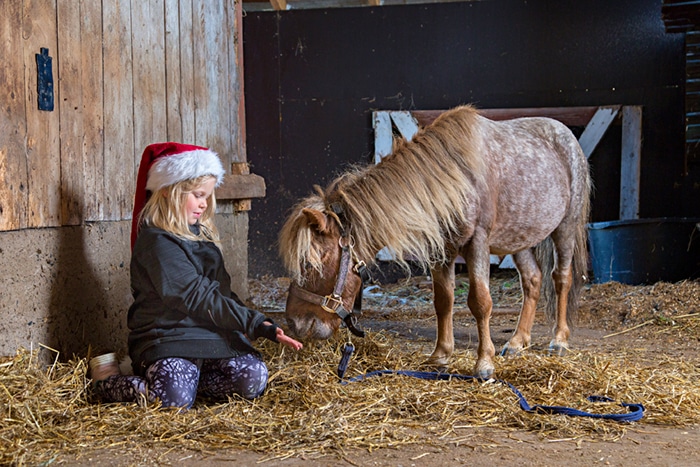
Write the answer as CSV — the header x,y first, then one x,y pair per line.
x,y
333,303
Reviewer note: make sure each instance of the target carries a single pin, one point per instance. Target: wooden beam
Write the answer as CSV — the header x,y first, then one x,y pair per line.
x,y
279,4
596,128
569,116
406,124
243,186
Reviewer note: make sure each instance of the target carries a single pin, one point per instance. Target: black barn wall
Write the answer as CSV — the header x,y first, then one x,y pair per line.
x,y
313,78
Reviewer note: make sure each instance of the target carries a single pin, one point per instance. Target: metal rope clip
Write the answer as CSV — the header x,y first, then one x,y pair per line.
x,y
348,349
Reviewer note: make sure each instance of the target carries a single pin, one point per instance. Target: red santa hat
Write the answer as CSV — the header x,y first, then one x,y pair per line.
x,y
164,164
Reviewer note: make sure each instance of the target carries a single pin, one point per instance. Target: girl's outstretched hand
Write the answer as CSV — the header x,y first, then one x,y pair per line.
x,y
282,338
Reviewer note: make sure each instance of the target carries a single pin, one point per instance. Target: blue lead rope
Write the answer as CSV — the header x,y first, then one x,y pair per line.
x,y
636,411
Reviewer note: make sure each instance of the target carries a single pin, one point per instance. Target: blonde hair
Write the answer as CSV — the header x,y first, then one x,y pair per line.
x,y
165,209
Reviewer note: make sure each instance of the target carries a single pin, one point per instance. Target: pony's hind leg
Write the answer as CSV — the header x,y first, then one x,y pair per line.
x,y
530,282
443,300
562,276
562,282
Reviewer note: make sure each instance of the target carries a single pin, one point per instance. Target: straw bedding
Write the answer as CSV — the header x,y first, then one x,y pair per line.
x,y
306,412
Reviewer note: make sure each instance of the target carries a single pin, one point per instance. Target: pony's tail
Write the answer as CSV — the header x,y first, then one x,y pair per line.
x,y
545,255
579,262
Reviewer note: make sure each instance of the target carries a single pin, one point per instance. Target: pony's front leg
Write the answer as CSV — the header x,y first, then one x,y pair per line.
x,y
481,304
443,300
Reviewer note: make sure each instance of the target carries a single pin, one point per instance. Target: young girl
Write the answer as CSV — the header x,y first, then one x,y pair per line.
x,y
189,333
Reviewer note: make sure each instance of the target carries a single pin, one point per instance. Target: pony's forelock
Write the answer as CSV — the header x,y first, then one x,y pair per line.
x,y
296,247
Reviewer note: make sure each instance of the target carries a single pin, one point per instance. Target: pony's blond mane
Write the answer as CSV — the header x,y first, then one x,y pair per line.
x,y
414,202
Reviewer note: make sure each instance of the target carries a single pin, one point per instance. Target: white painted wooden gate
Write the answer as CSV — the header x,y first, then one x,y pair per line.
x,y
597,120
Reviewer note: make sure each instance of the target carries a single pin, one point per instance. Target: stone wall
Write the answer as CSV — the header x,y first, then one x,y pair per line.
x,y
68,288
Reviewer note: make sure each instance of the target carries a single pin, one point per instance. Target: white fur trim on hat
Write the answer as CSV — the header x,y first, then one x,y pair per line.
x,y
169,170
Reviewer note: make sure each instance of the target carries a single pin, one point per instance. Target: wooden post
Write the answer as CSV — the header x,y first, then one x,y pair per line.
x,y
381,121
630,161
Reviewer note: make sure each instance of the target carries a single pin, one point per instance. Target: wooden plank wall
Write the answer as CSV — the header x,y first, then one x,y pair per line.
x,y
692,98
684,16
126,73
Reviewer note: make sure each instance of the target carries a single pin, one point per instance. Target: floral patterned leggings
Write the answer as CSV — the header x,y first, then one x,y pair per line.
x,y
177,381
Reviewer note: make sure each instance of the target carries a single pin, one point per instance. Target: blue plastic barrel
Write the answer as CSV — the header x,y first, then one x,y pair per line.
x,y
645,251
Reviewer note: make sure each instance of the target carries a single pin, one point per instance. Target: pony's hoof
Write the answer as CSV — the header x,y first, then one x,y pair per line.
x,y
483,372
558,349
508,350
435,364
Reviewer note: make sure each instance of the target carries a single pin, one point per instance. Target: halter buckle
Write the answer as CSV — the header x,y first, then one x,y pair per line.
x,y
331,303
359,265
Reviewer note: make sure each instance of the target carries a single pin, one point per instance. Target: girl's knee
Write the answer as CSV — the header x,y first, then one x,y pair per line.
x,y
249,376
254,382
174,382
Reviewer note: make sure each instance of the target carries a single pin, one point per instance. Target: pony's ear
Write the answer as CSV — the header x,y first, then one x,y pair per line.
x,y
316,219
